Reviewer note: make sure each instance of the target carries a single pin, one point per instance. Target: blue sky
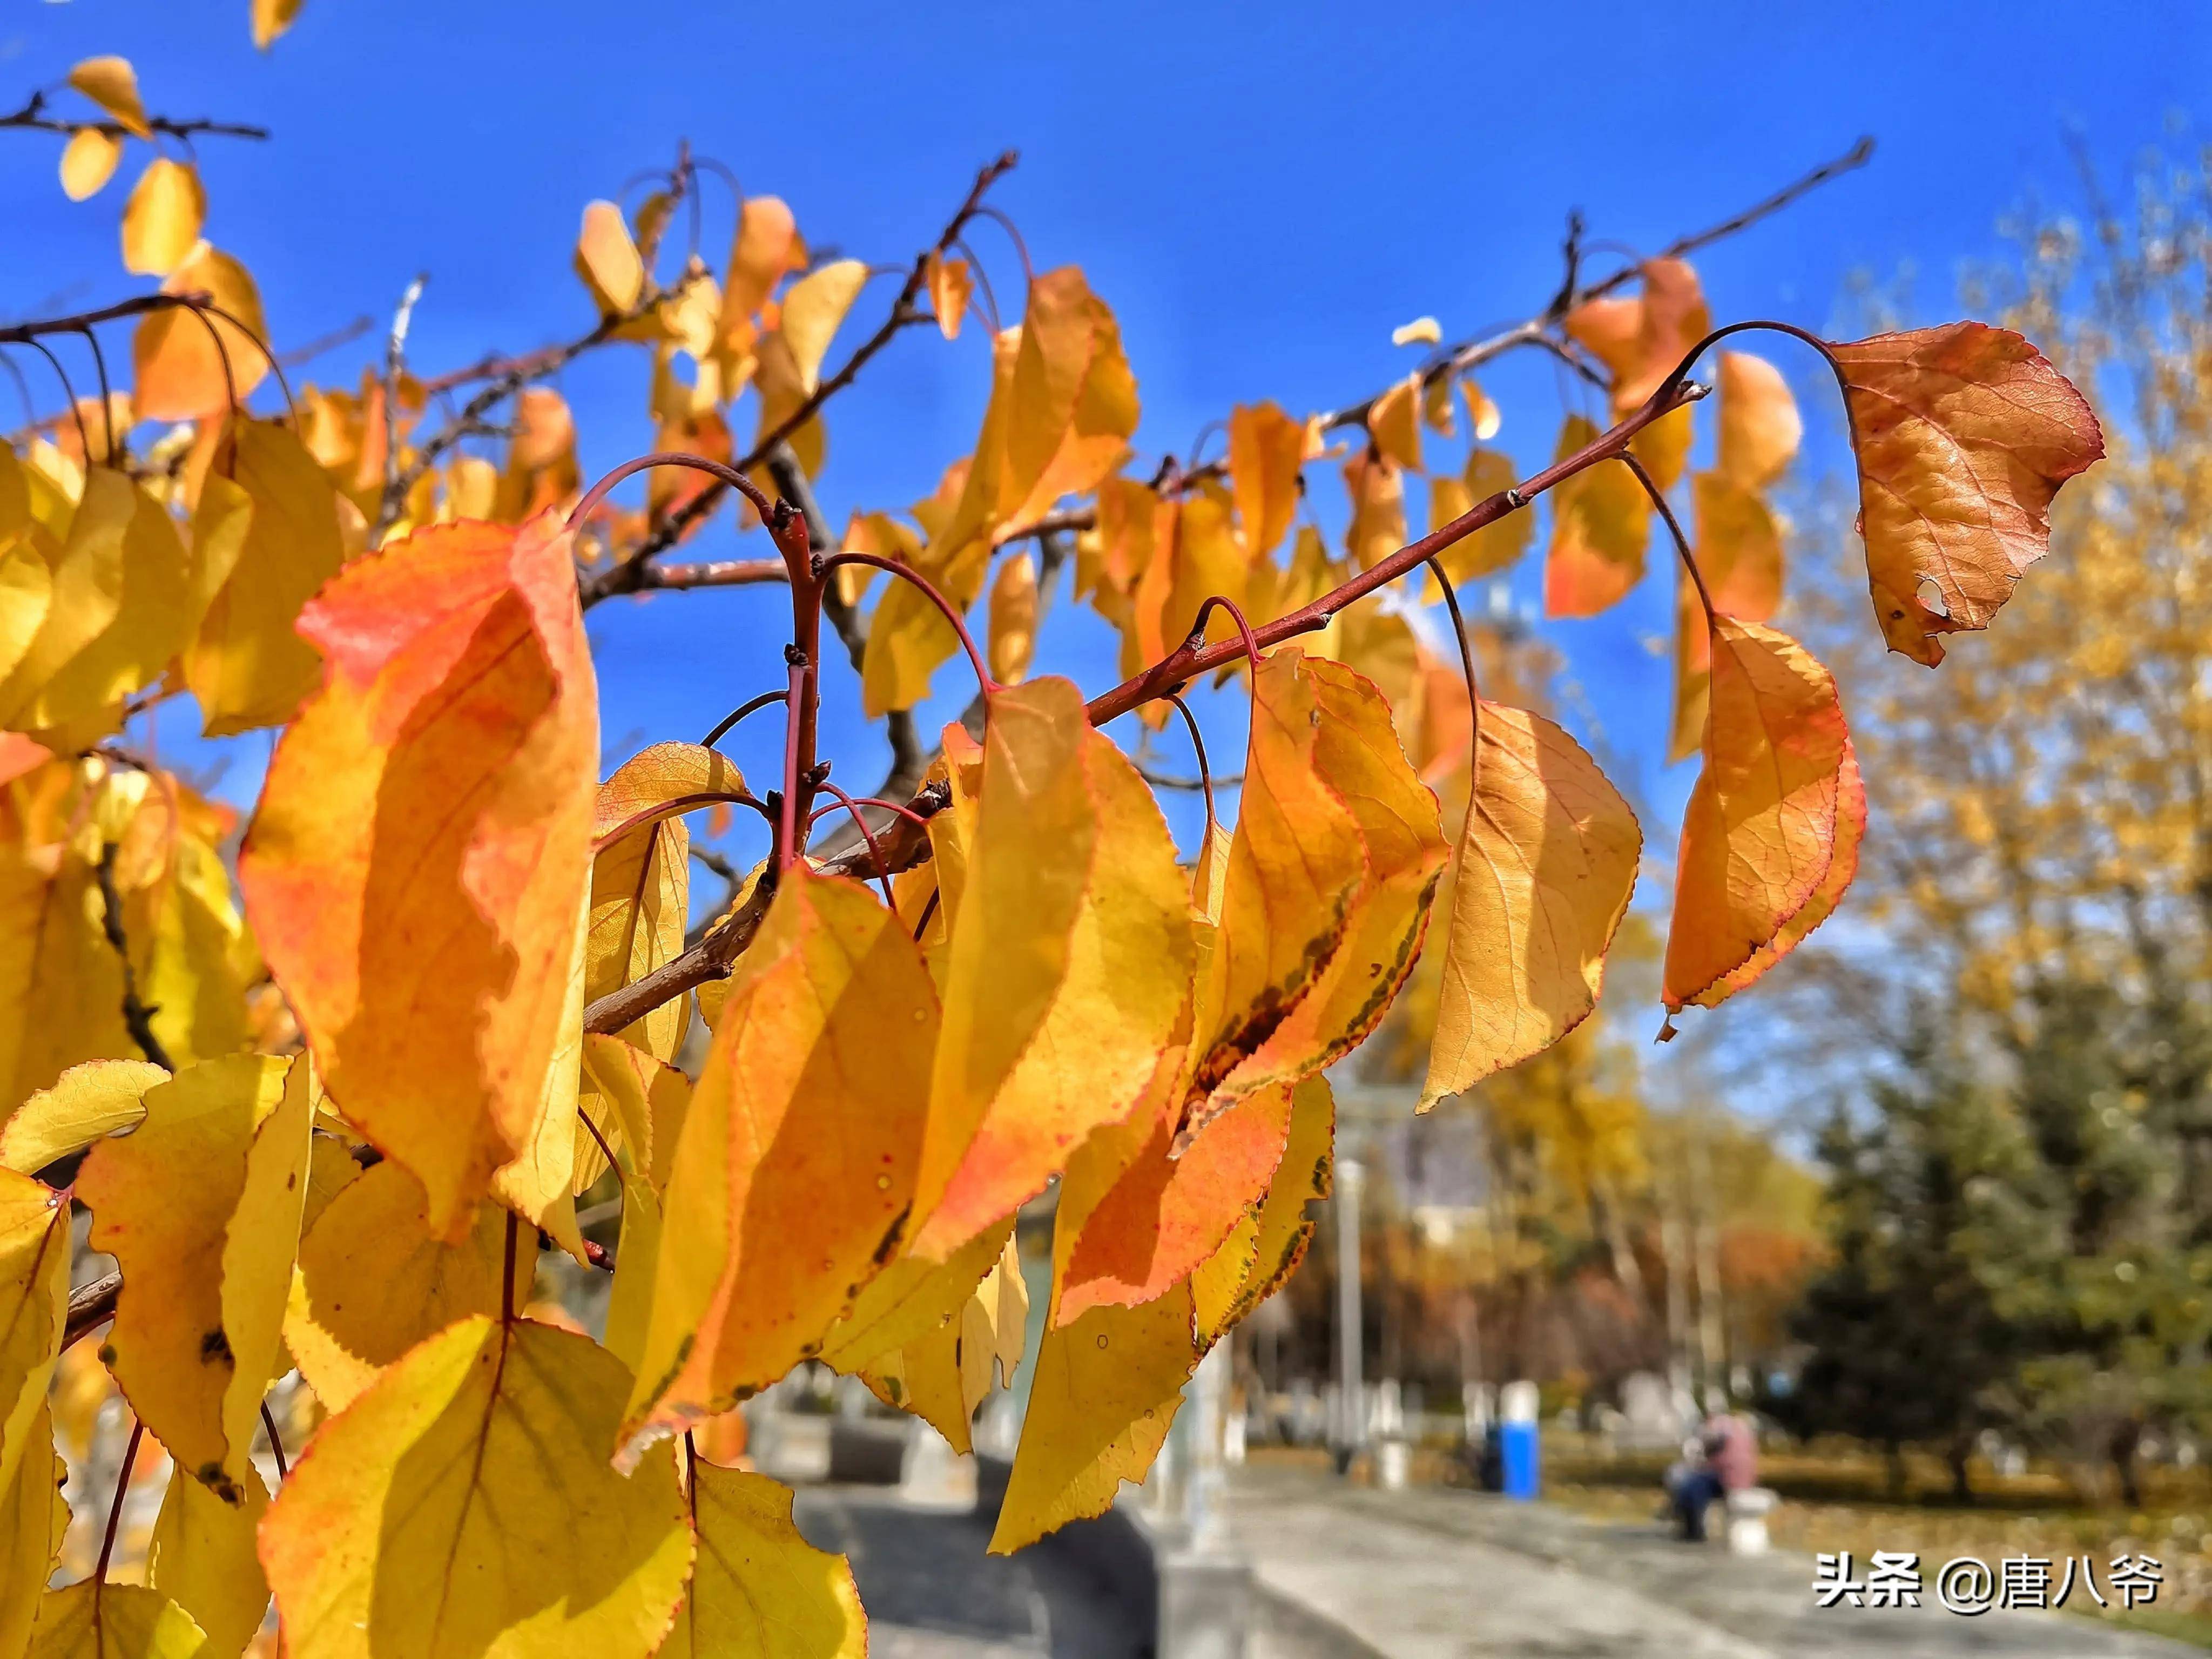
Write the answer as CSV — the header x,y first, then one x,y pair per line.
x,y
1262,194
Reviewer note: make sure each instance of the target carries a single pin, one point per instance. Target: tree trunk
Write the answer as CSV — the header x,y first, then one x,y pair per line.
x,y
1962,1486
2127,1436
1894,1459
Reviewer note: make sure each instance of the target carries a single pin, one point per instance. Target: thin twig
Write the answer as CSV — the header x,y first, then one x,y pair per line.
x,y
395,365
137,1016
32,118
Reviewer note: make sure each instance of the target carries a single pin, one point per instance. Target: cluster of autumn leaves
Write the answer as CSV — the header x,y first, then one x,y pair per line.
x,y
378,1091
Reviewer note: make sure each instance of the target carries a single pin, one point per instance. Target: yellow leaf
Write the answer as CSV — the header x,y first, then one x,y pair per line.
x,y
950,284
94,1621
646,1102
1262,1259
89,162
272,18
188,368
87,588
162,219
112,84
201,1556
1266,449
201,1206
246,664
445,769
1422,330
766,246
1013,620
812,310
1759,424
1545,864
1482,416
1739,546
911,1297
33,1518
34,1282
759,1589
491,1440
1394,422
1072,401
1297,866
82,700
1070,939
794,1173
1106,1387
86,1102
1378,488
373,1281
1663,446
1601,522
27,585
608,261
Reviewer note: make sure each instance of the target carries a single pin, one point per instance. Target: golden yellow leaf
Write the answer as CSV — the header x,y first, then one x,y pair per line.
x,y
606,259
1107,1386
34,1283
1262,1260
87,589
1422,330
645,1103
813,308
457,677
1496,545
911,1297
188,368
81,701
162,219
794,1173
1394,422
945,1373
33,1518
1266,448
766,246
1330,1005
112,84
1297,867
519,1539
272,18
1963,434
89,162
85,1102
201,1555
759,1591
1071,402
1378,488
1069,942
1482,416
950,284
1601,522
1768,816
1759,424
1545,864
1014,619
246,664
91,1619
1663,446
373,1280
201,1206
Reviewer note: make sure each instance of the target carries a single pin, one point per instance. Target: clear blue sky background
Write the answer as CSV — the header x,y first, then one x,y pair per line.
x,y
1262,193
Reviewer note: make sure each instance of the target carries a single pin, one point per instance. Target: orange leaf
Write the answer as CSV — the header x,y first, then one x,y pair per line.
x,y
1601,522
1963,433
1266,449
608,261
1768,819
1643,339
1377,488
1394,421
794,1171
1759,424
950,284
1013,620
188,367
417,871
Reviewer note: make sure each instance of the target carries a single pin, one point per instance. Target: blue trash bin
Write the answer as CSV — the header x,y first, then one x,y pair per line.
x,y
1518,1445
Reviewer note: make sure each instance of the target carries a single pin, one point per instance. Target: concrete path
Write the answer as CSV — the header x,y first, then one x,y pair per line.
x,y
932,1593
1438,1574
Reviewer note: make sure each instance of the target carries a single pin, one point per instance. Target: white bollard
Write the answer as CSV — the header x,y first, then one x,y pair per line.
x,y
1747,1520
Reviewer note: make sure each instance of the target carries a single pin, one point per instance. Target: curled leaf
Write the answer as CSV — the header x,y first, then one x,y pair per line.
x,y
112,84
161,221
1963,433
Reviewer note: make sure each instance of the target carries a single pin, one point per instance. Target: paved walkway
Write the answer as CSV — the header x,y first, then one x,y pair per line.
x,y
1439,1574
932,1593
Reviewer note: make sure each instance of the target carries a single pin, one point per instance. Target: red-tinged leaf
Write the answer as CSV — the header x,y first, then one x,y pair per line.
x,y
418,869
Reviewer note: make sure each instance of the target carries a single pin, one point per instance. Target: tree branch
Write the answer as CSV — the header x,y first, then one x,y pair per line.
x,y
626,576
137,1016
32,118
395,365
